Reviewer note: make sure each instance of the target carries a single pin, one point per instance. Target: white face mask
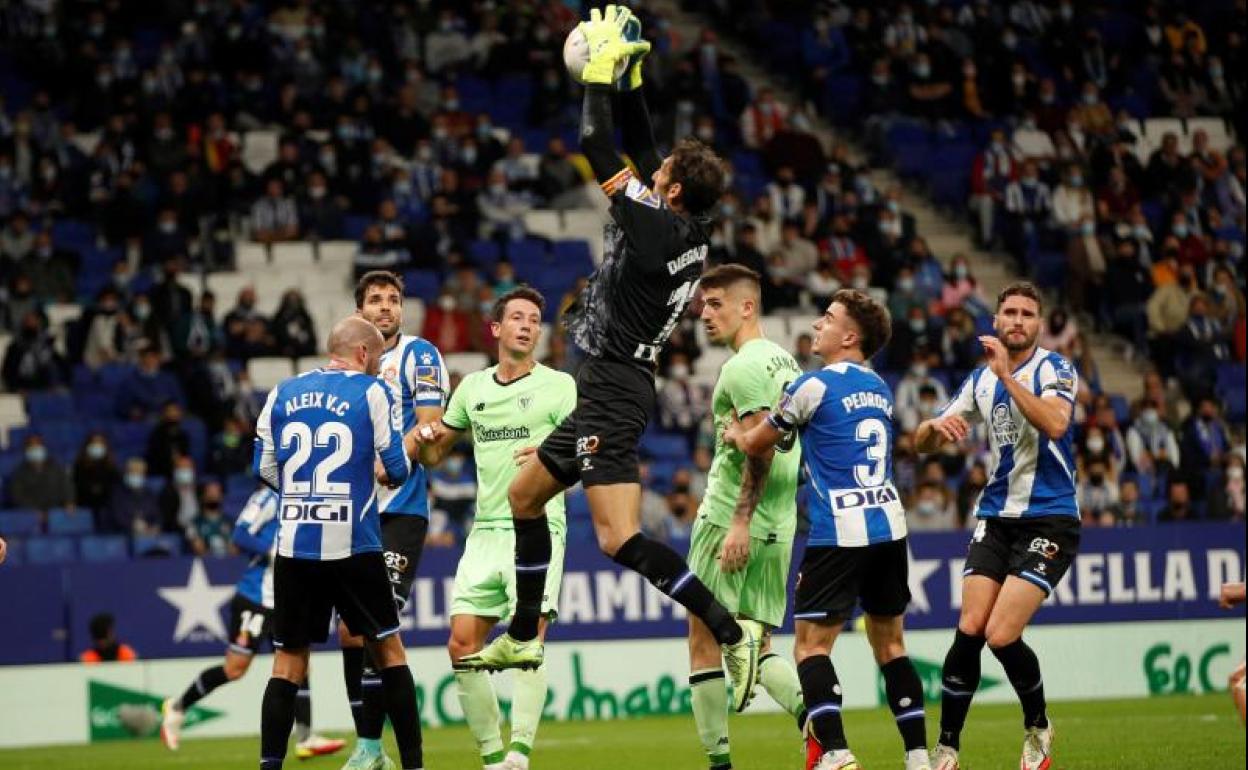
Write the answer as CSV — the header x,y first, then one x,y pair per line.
x,y
446,303
679,371
1096,444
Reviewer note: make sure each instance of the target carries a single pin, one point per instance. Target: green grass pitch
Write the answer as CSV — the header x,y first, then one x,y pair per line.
x,y
1191,732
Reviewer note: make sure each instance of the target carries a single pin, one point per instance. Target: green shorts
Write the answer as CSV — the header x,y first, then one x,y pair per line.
x,y
758,592
485,581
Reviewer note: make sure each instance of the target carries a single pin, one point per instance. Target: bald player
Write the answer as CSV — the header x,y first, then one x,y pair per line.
x,y
316,442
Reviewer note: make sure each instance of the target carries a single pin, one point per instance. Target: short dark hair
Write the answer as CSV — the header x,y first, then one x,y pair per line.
x,y
725,275
523,291
376,278
1021,289
700,173
875,324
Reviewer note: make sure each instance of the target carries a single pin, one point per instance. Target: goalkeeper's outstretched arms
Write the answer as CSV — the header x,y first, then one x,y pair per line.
x,y
634,114
607,46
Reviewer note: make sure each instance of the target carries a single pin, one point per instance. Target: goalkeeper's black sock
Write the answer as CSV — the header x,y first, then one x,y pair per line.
x,y
905,697
277,714
822,692
208,680
669,573
1023,668
532,562
959,681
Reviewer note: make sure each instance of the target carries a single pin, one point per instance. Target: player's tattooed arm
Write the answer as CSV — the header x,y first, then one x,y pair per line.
x,y
757,439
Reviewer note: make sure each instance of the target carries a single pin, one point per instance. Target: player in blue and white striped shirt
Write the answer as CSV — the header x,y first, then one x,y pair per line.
x,y
1028,530
251,610
857,551
317,441
413,370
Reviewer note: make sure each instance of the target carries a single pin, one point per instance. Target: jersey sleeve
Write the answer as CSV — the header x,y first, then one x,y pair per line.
x,y
565,404
252,532
798,404
748,388
264,461
645,221
456,414
963,402
1056,378
387,418
425,374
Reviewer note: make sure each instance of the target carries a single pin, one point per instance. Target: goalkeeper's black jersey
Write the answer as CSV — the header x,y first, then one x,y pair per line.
x,y
652,261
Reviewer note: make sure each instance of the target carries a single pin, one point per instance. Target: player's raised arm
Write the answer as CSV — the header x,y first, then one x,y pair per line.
x,y
635,119
1052,409
607,47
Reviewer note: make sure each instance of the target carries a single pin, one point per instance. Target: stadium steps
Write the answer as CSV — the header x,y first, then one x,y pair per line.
x,y
946,235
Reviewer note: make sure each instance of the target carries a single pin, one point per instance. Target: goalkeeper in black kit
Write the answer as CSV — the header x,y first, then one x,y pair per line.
x,y
655,249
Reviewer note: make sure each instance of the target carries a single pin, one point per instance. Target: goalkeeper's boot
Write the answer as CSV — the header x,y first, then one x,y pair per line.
x,y
918,760
1037,749
318,746
741,663
841,759
503,653
945,758
171,719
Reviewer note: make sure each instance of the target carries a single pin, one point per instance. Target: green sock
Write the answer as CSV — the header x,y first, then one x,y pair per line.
x,y
779,679
710,713
370,746
528,699
480,705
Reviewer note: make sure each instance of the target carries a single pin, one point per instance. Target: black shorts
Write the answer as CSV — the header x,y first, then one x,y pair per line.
x,y
832,579
403,538
308,591
251,625
1038,550
597,443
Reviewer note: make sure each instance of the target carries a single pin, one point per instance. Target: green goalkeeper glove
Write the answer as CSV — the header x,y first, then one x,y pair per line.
x,y
632,76
605,36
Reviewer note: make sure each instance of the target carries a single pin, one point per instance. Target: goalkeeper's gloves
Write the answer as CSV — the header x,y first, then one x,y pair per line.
x,y
605,36
632,76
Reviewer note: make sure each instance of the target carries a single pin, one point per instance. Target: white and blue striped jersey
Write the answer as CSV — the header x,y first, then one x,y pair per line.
x,y
414,372
316,443
844,414
255,534
1031,474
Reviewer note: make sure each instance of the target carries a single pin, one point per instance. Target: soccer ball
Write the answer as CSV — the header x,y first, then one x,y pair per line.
x,y
576,50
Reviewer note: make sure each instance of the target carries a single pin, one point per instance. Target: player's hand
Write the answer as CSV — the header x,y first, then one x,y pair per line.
x,y
632,33
383,478
429,432
604,32
953,428
1232,594
735,555
997,357
523,456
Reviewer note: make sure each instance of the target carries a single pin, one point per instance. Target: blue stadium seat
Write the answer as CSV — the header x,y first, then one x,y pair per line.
x,y
156,545
1122,408
1234,402
97,548
51,550
1231,374
424,284
63,522
665,446
484,254
574,256
19,521
15,550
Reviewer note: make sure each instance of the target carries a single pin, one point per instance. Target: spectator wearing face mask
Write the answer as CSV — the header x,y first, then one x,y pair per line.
x,y
105,341
1127,512
1098,494
31,361
1200,346
51,270
1226,501
209,532
992,172
1151,444
446,325
1205,443
1192,248
932,509
960,289
146,390
1178,503
39,482
168,440
132,508
682,403
179,500
1098,449
95,474
910,333
1072,203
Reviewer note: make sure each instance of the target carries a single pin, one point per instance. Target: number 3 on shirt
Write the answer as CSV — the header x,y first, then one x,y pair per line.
x,y
875,434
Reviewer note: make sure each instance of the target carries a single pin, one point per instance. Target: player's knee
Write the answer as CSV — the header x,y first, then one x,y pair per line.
x,y
524,503
234,669
999,636
459,646
973,624
887,650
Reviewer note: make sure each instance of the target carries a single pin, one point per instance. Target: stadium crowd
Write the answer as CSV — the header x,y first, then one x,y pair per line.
x,y
393,135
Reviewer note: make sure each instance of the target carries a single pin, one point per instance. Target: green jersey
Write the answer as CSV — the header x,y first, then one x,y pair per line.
x,y
502,418
752,380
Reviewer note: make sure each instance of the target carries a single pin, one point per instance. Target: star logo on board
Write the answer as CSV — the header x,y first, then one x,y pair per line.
x,y
199,606
920,571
